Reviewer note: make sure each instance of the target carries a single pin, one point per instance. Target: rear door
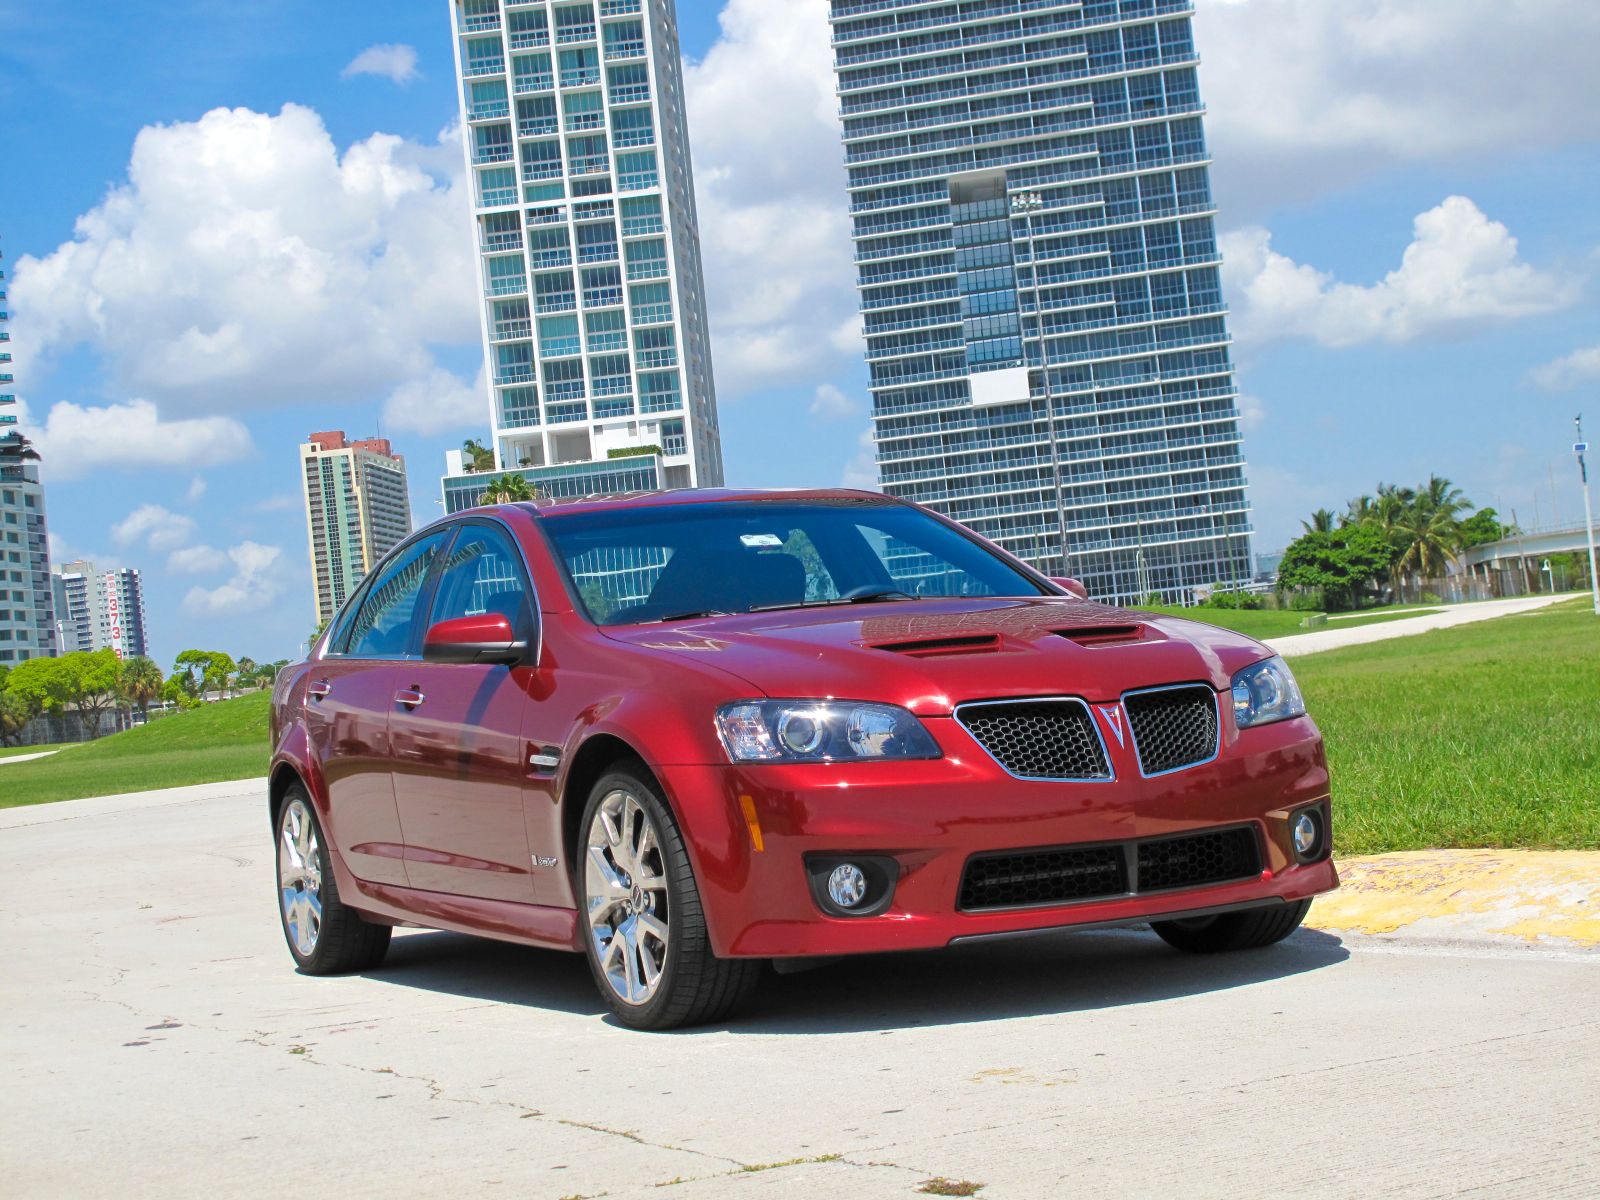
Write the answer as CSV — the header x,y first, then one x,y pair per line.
x,y
349,695
460,765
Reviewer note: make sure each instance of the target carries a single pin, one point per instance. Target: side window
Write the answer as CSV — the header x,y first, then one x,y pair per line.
x,y
483,574
382,628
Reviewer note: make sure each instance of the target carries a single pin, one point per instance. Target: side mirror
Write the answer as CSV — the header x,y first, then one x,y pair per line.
x,y
1072,586
482,639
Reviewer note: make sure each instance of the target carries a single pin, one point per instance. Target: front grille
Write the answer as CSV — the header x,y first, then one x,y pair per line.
x,y
1199,859
1044,877
1038,739
1107,870
1173,727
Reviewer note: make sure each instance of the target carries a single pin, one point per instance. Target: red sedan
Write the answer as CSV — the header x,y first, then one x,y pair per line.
x,y
683,733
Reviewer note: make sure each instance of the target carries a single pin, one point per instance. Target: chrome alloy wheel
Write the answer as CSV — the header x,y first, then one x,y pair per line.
x,y
625,893
300,877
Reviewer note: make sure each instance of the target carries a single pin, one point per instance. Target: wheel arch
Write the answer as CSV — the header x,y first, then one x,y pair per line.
x,y
599,753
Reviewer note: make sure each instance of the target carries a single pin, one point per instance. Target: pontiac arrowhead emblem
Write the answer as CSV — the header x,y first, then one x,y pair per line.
x,y
1111,717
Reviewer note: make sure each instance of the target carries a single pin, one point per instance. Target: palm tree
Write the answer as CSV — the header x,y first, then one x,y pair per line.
x,y
478,456
507,489
1321,522
245,672
1359,511
1440,493
1428,538
139,681
14,445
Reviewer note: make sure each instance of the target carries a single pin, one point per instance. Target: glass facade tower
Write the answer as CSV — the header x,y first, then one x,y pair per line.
x,y
594,317
1038,270
27,602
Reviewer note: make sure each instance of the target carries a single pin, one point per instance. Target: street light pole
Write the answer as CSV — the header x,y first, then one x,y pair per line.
x,y
1027,203
1579,447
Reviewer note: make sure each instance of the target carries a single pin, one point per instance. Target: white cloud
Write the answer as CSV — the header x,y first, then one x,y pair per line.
x,y
157,527
862,470
1569,370
394,62
1354,87
1460,270
831,404
196,560
277,502
197,489
247,263
254,585
437,401
1252,412
773,213
78,440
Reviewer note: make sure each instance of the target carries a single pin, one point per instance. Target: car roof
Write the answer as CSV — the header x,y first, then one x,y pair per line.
x,y
663,499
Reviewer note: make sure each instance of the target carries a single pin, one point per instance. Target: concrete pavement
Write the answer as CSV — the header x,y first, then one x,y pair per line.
x,y
158,1043
1456,614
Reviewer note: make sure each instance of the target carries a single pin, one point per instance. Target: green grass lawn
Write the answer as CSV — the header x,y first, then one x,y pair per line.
x,y
214,742
1257,623
1487,735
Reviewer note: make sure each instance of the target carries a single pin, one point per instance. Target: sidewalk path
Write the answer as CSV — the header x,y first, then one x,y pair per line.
x,y
16,758
1456,614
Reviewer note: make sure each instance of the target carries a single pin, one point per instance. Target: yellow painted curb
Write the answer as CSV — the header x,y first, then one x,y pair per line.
x,y
1535,895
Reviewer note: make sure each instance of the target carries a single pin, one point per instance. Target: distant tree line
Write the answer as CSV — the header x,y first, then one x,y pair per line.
x,y
91,683
1388,542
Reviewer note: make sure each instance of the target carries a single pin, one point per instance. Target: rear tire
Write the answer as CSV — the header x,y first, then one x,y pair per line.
x,y
325,935
1226,932
644,930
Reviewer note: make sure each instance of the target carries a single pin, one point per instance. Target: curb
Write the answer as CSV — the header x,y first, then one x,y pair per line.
x,y
1511,898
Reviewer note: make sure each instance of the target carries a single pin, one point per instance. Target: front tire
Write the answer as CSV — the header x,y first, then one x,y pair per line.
x,y
1233,931
325,935
644,928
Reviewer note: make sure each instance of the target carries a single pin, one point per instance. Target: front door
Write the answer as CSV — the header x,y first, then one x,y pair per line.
x,y
349,694
460,774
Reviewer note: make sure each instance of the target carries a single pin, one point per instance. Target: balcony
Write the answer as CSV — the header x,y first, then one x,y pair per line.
x,y
529,39
484,66
580,77
654,268
538,127
535,171
544,260
632,93
481,23
637,181
591,164
512,286
642,226
497,110
495,197
578,122
631,49
602,297
624,138
574,34
618,8
605,252
556,302
652,314
505,331
613,385
652,360
674,445
523,84
521,373
491,154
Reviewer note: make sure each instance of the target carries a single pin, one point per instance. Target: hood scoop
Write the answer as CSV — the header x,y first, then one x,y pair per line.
x,y
938,647
1102,635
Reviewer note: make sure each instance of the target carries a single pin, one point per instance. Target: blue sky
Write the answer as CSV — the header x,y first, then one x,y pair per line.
x,y
1408,217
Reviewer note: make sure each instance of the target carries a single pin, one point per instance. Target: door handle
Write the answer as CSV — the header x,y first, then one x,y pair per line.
x,y
409,697
319,690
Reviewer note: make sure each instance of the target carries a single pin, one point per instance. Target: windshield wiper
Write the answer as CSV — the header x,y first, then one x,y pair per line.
x,y
861,595
689,616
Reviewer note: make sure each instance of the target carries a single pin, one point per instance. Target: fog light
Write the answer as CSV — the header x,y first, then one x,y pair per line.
x,y
1307,833
847,885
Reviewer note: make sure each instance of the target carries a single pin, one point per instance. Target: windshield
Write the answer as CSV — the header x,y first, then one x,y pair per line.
x,y
652,564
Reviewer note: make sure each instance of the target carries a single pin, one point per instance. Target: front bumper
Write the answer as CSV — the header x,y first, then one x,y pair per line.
x,y
932,816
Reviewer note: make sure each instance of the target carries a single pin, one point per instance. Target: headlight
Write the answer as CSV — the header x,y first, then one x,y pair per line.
x,y
821,731
1264,693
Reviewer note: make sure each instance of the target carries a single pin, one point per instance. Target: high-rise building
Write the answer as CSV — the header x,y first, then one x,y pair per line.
x,y
27,609
1027,171
593,305
357,507
100,610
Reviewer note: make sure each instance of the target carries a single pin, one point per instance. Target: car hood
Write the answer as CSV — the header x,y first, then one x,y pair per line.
x,y
930,655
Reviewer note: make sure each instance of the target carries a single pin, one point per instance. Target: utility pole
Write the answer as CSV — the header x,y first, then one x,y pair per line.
x,y
1578,448
1027,203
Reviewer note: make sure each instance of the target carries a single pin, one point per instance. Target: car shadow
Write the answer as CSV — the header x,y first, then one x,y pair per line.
x,y
1048,974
